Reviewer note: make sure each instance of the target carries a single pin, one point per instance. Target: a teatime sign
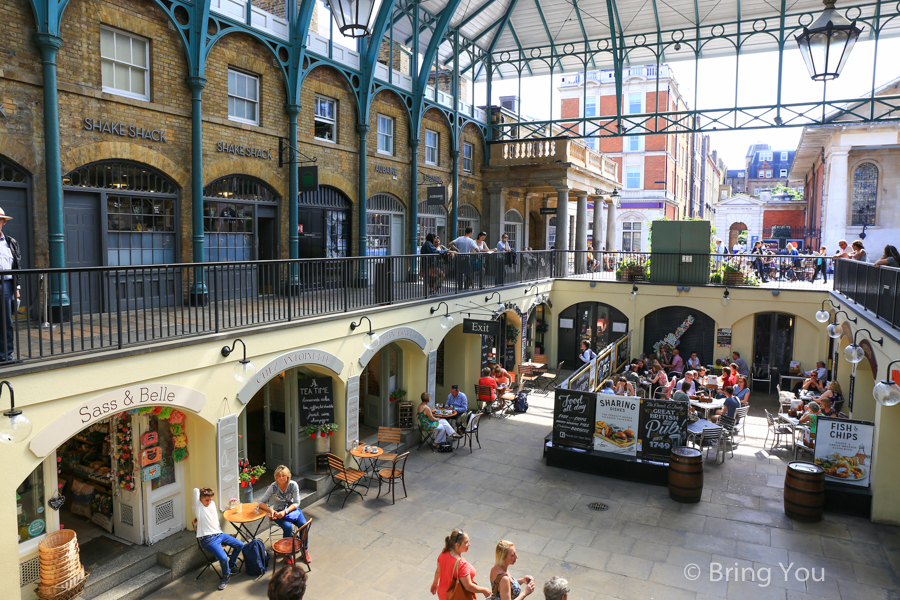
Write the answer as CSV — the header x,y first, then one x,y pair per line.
x,y
107,405
289,360
316,400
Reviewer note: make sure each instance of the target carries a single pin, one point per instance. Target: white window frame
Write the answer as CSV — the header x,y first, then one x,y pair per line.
x,y
468,157
329,120
630,232
756,191
628,102
233,94
432,149
129,65
640,143
640,174
784,156
388,136
783,173
590,101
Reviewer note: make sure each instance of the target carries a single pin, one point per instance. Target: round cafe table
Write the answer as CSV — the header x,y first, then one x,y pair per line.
x,y
243,518
366,460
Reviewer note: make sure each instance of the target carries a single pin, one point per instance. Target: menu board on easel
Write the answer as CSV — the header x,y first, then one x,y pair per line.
x,y
316,401
573,418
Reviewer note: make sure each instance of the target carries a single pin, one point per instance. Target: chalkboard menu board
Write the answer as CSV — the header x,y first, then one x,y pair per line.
x,y
723,337
581,382
622,352
485,350
573,418
663,424
316,401
509,358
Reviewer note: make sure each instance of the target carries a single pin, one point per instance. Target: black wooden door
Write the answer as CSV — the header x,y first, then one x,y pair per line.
x,y
312,232
83,230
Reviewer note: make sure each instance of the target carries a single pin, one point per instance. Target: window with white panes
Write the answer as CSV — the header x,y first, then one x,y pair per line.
x,y
784,156
635,105
385,135
634,143
783,173
633,178
467,157
325,122
431,147
631,236
124,64
243,97
590,106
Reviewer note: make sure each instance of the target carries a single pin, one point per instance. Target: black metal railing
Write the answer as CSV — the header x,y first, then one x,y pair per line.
x,y
66,311
773,271
875,288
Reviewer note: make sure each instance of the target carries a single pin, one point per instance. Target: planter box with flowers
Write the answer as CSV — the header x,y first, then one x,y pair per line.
x,y
632,269
248,475
321,433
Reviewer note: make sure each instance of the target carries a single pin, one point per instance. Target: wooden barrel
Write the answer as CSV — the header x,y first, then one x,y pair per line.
x,y
804,492
685,474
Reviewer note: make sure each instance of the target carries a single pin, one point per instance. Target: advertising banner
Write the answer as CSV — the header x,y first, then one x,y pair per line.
x,y
844,449
616,424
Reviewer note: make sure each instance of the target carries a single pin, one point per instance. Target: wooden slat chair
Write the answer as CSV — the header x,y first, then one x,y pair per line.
x,y
470,432
344,478
394,474
484,391
543,360
289,547
527,376
389,435
548,379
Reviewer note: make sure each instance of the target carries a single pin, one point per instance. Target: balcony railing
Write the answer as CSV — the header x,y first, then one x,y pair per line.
x,y
555,151
115,307
608,76
875,288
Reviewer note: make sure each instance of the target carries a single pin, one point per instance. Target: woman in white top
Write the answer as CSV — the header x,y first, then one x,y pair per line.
x,y
503,244
210,534
481,244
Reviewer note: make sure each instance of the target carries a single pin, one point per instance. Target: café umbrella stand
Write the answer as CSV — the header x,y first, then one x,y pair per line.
x,y
686,475
804,492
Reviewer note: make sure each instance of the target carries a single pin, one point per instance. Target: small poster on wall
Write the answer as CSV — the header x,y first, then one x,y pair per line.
x,y
844,449
616,425
723,337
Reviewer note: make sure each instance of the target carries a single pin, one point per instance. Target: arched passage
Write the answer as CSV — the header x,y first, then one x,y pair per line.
x,y
15,198
687,329
735,233
597,323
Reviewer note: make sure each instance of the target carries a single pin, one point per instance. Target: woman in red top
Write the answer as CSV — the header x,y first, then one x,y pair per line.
x,y
455,545
488,381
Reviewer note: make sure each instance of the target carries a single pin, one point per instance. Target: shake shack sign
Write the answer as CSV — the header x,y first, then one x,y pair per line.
x,y
238,149
125,130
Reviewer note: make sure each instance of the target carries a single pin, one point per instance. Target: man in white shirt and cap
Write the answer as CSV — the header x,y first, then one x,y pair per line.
x,y
464,245
10,259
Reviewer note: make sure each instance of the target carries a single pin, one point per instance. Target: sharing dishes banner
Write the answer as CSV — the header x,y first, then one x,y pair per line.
x,y
617,424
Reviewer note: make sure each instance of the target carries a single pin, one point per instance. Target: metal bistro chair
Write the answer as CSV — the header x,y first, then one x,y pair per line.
x,y
289,547
392,475
709,437
762,374
471,432
549,379
777,429
728,433
740,421
212,561
344,478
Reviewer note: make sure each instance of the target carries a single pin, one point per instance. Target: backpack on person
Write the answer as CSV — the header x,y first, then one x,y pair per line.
x,y
520,404
255,558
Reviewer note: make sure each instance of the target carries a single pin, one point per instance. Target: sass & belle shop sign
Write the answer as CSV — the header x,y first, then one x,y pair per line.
x,y
616,424
289,360
392,335
844,450
102,407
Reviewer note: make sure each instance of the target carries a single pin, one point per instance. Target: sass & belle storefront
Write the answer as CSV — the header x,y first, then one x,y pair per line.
x,y
112,470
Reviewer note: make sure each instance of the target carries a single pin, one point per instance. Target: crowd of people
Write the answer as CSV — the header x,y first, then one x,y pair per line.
x,y
466,266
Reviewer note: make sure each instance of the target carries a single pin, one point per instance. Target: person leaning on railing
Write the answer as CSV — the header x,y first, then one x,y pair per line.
x,y
890,257
433,267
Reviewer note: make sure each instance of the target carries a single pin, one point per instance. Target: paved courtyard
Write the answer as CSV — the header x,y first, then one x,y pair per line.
x,y
645,546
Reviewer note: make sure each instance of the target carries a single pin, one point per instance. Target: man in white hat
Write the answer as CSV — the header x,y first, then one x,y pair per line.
x,y
10,258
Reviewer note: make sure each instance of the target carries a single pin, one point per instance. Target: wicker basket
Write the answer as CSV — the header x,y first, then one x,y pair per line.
x,y
75,578
66,595
61,539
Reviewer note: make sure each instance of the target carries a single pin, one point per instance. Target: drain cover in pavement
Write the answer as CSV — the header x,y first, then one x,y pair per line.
x,y
597,506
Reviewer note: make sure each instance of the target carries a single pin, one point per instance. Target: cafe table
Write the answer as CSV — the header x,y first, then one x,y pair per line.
x,y
791,379
696,429
249,513
366,460
707,406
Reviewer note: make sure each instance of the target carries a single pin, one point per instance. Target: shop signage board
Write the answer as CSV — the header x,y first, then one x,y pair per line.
x,y
573,418
486,350
308,179
227,463
352,410
723,337
125,130
289,360
662,426
604,366
623,350
548,210
844,449
436,195
241,150
481,327
432,374
466,185
316,396
581,380
616,426
107,405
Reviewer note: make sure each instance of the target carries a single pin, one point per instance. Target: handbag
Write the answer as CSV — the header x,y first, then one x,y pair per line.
x,y
456,591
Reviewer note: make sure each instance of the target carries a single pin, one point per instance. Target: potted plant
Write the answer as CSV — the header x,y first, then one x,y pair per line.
x,y
398,395
248,476
320,434
631,269
542,327
512,334
732,274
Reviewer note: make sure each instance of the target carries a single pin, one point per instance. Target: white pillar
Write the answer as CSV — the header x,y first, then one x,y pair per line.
x,y
562,231
836,202
611,227
581,231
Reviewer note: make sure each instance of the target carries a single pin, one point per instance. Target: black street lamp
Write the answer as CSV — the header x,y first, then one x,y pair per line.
x,y
826,43
355,18
17,428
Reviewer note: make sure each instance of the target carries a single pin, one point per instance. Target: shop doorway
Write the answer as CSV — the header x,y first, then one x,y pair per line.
x,y
266,426
381,377
15,191
737,234
773,340
596,323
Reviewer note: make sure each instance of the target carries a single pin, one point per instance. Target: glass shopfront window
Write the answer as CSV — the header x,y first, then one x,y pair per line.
x,y
229,231
31,506
141,230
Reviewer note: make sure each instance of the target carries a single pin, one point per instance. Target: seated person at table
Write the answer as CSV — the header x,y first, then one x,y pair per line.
x,y
827,409
743,392
642,369
284,509
210,534
677,365
730,406
820,371
587,355
457,400
608,387
693,362
832,394
701,374
810,418
624,387
427,422
683,392
501,376
742,367
727,378
812,384
690,378
658,378
504,372
487,380
633,376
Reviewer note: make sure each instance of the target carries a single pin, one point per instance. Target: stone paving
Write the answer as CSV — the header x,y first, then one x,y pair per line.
x,y
645,546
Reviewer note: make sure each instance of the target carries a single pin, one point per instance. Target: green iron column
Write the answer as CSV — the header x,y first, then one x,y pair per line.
x,y
199,293
454,197
293,184
413,195
49,45
363,130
